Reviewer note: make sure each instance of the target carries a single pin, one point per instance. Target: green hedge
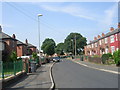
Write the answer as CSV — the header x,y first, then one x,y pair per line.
x,y
116,56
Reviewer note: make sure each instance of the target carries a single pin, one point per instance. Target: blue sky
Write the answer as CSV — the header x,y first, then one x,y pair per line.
x,y
58,20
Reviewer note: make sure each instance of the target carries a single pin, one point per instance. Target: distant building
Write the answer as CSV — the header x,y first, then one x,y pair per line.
x,y
106,43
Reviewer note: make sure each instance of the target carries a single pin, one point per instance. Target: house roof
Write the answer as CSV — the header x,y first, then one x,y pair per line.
x,y
5,36
20,43
106,35
30,45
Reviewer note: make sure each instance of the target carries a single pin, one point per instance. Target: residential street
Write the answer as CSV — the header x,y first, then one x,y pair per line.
x,y
68,74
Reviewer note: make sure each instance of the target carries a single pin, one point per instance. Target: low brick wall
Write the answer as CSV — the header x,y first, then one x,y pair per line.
x,y
95,59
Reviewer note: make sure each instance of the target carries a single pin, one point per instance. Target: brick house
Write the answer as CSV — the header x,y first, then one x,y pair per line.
x,y
21,49
10,43
30,48
106,43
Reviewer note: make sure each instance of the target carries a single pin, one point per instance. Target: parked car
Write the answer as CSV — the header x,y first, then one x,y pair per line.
x,y
56,59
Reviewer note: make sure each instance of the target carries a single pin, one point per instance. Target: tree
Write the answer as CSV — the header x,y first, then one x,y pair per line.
x,y
116,56
34,55
13,56
60,49
69,43
48,46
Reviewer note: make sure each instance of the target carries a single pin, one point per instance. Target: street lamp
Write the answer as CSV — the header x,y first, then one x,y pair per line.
x,y
39,35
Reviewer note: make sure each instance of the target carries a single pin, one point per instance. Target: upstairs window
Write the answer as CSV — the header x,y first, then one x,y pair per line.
x,y
100,42
106,40
112,38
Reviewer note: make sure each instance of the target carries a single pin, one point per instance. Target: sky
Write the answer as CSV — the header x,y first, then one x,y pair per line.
x,y
59,19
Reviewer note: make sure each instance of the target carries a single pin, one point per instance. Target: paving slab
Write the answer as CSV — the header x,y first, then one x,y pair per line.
x,y
38,79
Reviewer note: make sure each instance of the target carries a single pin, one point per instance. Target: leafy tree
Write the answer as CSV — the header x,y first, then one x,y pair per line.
x,y
60,49
13,56
116,56
48,46
34,55
69,43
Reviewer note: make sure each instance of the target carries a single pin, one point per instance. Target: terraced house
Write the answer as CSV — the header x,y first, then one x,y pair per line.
x,y
106,43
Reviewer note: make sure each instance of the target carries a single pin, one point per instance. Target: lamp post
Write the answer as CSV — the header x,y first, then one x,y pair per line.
x,y
39,35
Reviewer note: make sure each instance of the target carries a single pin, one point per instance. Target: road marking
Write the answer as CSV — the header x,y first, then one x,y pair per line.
x,y
51,77
97,68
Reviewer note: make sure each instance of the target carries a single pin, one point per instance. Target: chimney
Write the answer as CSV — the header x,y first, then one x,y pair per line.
x,y
119,25
95,38
13,36
103,34
111,29
0,28
98,36
26,41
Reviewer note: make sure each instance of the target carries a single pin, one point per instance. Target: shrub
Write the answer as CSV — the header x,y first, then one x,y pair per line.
x,y
104,58
13,56
116,56
96,56
110,55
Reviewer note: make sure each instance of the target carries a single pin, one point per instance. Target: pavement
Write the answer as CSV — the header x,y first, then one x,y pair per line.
x,y
39,79
68,74
107,68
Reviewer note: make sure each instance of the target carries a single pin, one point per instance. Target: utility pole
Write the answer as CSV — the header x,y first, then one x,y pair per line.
x,y
75,46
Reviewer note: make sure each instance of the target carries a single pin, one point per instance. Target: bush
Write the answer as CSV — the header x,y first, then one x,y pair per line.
x,y
104,58
116,56
96,56
13,56
110,55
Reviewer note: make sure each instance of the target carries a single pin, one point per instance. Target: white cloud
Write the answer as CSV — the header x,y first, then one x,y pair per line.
x,y
109,16
70,9
104,19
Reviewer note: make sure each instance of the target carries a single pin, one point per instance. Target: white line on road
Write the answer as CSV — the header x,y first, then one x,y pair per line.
x,y
51,77
97,68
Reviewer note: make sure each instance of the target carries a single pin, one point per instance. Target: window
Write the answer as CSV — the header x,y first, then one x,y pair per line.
x,y
106,40
95,44
13,43
106,50
116,37
92,45
112,38
112,49
100,42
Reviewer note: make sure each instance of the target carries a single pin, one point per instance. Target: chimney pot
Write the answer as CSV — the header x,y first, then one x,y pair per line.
x,y
95,38
111,29
98,36
13,36
119,25
103,34
0,28
26,41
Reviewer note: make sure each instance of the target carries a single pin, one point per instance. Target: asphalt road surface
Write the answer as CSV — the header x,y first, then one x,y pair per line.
x,y
68,74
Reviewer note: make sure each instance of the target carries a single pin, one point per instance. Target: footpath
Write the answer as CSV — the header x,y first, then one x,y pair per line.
x,y
107,68
39,79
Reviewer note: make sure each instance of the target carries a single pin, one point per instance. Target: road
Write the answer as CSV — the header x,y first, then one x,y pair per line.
x,y
68,74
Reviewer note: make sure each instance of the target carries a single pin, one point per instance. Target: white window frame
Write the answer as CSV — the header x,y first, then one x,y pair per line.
x,y
112,38
106,40
116,37
112,49
100,42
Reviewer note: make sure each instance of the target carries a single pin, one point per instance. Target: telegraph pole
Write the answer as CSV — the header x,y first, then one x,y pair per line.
x,y
75,46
